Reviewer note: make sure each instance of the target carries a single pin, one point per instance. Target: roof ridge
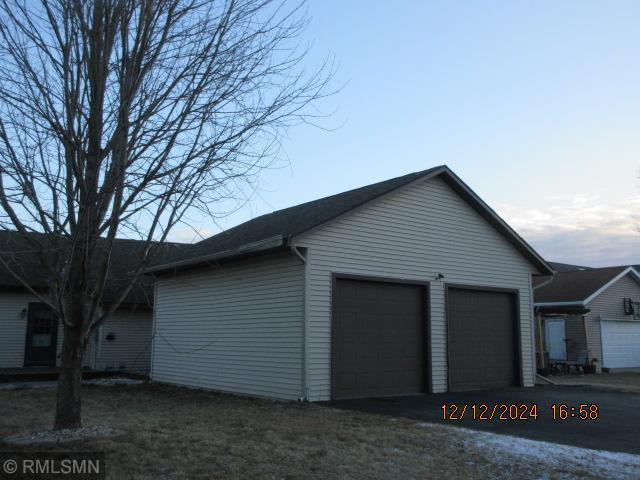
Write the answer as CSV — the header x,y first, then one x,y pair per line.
x,y
595,269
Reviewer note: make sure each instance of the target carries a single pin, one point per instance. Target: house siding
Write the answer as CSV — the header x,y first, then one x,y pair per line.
x,y
608,305
130,349
236,327
13,328
413,234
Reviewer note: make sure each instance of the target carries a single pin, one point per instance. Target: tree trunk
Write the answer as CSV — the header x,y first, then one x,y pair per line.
x,y
68,402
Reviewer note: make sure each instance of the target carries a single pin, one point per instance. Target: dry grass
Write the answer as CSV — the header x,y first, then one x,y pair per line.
x,y
172,432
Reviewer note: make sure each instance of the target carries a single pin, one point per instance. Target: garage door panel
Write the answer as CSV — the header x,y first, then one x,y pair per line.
x,y
378,343
482,344
392,322
345,320
620,344
368,353
389,350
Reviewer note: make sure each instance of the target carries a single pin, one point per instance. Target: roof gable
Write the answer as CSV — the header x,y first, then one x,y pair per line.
x,y
290,222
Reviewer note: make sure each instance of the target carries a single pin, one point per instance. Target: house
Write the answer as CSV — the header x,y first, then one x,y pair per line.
x,y
405,286
590,314
32,336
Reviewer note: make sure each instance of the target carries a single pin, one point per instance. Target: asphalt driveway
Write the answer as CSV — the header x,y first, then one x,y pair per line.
x,y
616,428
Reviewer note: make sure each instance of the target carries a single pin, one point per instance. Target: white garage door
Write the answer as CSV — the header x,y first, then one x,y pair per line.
x,y
620,344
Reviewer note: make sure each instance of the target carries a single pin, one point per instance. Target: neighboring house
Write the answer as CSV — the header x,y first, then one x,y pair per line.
x,y
32,336
567,267
406,286
592,313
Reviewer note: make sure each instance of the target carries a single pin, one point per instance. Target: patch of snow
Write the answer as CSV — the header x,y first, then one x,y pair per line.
x,y
505,448
434,426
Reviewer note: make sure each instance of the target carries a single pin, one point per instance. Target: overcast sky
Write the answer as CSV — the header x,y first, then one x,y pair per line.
x,y
536,105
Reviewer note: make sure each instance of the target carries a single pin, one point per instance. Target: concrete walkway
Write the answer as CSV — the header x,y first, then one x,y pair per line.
x,y
623,382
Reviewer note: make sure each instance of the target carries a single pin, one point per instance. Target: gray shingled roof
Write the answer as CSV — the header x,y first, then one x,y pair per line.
x,y
574,286
289,222
23,258
567,267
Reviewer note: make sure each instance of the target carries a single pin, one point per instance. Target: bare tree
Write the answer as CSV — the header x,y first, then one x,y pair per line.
x,y
118,116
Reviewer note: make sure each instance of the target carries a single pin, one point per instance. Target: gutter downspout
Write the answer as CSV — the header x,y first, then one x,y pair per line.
x,y
295,250
543,283
153,327
304,397
540,345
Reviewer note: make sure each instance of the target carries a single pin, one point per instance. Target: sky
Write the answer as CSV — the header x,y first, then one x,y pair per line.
x,y
536,105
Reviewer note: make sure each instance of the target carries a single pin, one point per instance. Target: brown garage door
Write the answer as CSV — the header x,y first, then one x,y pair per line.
x,y
482,340
378,339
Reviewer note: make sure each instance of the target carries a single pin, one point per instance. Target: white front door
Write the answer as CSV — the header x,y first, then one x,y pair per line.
x,y
555,339
620,344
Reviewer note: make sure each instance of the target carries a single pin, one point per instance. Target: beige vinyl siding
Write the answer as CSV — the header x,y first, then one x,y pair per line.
x,y
412,234
608,305
133,330
130,349
13,328
235,328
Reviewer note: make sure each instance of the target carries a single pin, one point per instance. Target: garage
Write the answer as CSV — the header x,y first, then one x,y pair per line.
x,y
378,339
346,297
482,339
620,343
